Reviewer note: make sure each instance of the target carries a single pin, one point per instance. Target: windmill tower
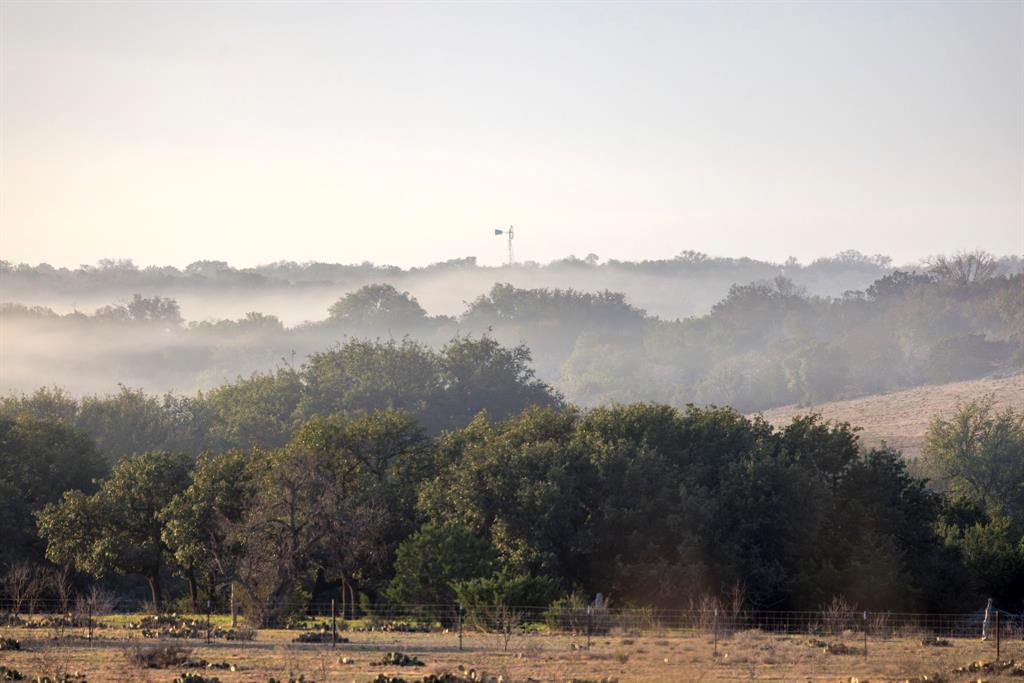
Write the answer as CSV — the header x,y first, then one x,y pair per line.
x,y
510,232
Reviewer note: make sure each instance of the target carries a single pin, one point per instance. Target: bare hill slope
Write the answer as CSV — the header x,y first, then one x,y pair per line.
x,y
901,418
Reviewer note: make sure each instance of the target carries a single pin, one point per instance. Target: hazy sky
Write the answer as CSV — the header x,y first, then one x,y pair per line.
x,y
403,133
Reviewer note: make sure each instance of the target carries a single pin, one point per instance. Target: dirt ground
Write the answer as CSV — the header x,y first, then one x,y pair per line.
x,y
749,655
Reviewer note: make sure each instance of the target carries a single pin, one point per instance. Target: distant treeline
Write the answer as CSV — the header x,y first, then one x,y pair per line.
x,y
766,344
688,284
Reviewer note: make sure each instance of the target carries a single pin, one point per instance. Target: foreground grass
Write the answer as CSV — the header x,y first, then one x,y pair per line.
x,y
750,655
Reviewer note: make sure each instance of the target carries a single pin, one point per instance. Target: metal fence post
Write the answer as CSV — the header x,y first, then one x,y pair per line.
x,y
714,627
865,634
334,626
88,621
590,623
997,637
209,611
460,626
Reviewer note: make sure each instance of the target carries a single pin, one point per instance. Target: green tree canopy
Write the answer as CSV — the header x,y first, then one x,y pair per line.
x,y
39,460
379,307
119,529
433,559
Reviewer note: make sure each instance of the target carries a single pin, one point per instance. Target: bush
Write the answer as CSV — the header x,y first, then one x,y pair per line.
x,y
240,633
569,614
520,590
399,659
157,656
319,634
10,674
173,626
447,677
429,561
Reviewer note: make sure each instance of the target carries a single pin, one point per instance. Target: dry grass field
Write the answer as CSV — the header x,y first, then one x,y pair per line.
x,y
901,419
748,655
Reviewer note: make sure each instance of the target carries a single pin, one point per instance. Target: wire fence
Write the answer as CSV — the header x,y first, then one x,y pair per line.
x,y
96,611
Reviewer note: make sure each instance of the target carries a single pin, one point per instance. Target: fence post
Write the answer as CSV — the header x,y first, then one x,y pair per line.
x,y
997,637
88,620
234,608
460,626
209,610
865,634
334,626
714,627
590,623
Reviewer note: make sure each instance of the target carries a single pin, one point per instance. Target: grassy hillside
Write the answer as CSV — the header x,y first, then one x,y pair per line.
x,y
901,418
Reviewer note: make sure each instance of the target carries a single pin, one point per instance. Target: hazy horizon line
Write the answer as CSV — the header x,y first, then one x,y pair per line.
x,y
875,257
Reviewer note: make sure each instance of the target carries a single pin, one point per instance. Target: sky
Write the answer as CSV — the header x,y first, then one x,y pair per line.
x,y
255,132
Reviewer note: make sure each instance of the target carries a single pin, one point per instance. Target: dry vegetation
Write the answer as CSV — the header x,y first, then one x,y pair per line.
x,y
750,655
901,419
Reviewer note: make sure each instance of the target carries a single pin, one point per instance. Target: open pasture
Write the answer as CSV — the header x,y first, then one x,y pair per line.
x,y
537,656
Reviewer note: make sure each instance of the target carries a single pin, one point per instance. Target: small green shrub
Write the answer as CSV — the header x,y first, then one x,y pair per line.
x,y
195,678
319,634
399,659
7,674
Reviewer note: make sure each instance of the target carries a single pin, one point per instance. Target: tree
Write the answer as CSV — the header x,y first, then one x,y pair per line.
x,y
39,460
480,374
896,284
120,528
964,267
338,499
429,562
964,357
520,484
441,390
294,509
362,376
992,549
46,403
198,520
506,589
976,454
378,462
125,423
254,411
378,306
141,309
816,371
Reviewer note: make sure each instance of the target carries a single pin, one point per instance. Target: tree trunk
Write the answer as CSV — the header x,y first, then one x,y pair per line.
x,y
193,590
343,596
154,589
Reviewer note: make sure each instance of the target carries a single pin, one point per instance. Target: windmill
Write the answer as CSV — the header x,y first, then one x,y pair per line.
x,y
510,235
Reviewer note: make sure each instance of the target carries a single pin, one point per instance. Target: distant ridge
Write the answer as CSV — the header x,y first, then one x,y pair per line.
x,y
901,418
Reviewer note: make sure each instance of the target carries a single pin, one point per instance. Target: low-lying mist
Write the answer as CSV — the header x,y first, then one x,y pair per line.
x,y
213,290
692,329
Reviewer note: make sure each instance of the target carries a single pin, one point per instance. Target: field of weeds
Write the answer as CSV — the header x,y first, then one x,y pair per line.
x,y
117,653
